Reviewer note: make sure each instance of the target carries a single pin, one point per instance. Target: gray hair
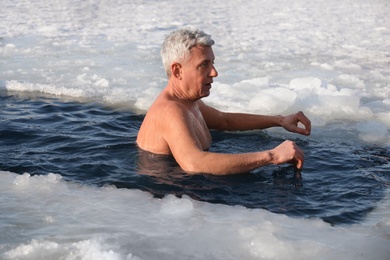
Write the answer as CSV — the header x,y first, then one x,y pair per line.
x,y
178,44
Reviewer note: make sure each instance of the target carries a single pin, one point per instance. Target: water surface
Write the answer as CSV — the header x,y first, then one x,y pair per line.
x,y
95,145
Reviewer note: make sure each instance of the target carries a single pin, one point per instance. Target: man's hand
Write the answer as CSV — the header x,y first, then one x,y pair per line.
x,y
287,152
290,123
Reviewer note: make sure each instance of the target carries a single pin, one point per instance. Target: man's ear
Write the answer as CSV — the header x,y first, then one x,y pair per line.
x,y
176,70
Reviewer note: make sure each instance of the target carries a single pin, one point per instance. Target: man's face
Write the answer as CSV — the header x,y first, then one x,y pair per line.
x,y
198,72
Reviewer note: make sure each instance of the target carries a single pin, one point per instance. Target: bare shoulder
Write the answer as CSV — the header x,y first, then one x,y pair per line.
x,y
158,123
166,108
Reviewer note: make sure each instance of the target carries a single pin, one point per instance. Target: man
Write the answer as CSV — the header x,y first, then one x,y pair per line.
x,y
178,122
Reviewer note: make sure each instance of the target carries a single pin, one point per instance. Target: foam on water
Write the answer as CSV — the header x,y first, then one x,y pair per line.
x,y
55,219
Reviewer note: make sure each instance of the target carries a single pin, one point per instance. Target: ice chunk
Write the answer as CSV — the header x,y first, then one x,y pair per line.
x,y
175,206
351,81
21,180
273,100
87,249
255,83
102,83
305,83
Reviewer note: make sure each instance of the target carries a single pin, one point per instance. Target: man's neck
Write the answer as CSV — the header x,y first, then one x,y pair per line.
x,y
174,92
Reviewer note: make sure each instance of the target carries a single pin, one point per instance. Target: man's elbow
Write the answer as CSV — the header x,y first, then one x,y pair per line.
x,y
203,168
191,168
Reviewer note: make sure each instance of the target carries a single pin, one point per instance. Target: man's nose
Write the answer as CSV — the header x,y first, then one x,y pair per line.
x,y
213,73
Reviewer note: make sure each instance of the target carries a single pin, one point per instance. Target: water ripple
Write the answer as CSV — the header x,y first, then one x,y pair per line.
x,y
95,145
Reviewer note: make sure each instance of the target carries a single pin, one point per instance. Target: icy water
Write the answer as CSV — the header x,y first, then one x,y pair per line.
x,y
77,77
94,145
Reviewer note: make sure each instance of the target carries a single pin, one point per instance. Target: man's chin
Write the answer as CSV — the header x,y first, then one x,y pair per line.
x,y
205,93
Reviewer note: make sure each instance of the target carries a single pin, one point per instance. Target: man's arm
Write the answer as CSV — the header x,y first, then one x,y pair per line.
x,y
218,120
187,151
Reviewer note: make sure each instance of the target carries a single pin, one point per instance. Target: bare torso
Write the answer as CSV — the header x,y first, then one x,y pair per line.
x,y
200,128
162,112
178,122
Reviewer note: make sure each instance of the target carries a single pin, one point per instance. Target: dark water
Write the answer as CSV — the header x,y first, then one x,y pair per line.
x,y
85,142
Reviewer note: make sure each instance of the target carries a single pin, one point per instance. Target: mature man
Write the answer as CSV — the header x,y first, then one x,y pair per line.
x,y
178,122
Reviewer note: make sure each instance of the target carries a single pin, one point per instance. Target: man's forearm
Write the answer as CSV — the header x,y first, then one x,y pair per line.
x,y
224,164
241,122
227,164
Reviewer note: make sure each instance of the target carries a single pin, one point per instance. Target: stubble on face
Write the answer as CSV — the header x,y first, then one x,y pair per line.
x,y
200,70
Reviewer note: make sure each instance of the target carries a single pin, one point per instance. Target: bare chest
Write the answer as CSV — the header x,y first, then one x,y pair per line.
x,y
200,129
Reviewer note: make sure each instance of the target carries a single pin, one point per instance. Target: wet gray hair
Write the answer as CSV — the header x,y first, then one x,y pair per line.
x,y
178,44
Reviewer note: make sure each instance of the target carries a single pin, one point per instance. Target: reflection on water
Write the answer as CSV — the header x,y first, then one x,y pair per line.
x,y
157,165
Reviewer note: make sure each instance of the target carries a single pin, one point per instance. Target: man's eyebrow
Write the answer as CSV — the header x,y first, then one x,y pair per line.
x,y
208,60
204,61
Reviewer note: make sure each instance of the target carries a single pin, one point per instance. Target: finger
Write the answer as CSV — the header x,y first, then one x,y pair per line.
x,y
300,130
307,125
305,121
299,164
299,157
